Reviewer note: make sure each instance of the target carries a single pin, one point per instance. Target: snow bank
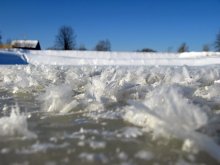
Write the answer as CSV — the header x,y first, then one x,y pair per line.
x,y
48,57
121,58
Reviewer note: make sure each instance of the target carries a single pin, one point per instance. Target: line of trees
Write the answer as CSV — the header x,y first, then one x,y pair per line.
x,y
0,38
147,50
217,42
66,40
183,48
103,45
7,42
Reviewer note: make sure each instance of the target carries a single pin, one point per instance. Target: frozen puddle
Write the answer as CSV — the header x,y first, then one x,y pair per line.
x,y
109,114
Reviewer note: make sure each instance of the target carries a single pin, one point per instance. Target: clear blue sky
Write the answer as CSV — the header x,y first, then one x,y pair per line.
x,y
128,24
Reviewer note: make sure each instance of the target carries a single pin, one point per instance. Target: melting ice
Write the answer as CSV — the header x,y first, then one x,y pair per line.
x,y
109,114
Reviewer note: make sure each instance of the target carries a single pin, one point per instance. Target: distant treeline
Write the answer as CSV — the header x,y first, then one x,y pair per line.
x,y
66,40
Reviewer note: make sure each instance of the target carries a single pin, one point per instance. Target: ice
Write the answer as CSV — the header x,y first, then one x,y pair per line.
x,y
15,125
122,156
90,157
167,113
41,147
132,106
129,132
58,99
97,145
145,155
189,146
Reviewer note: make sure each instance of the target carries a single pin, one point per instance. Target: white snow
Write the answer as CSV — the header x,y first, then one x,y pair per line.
x,y
48,57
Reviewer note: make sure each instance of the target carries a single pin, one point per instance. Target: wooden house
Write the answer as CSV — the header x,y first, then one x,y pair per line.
x,y
8,46
26,44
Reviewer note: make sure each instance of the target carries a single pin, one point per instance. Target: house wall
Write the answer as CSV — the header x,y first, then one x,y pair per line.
x,y
5,46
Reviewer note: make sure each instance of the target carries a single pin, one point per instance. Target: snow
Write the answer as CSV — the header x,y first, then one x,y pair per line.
x,y
48,57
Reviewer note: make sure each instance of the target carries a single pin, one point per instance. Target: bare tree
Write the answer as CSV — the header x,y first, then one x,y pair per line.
x,y
217,42
0,38
183,48
103,45
65,39
169,49
206,48
147,50
82,47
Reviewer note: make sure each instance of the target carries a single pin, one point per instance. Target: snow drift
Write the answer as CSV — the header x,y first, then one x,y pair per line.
x,y
48,57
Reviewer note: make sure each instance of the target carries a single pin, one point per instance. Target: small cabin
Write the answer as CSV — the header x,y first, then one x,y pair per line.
x,y
26,44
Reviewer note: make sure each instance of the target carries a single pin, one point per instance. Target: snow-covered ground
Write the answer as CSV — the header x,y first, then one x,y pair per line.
x,y
47,57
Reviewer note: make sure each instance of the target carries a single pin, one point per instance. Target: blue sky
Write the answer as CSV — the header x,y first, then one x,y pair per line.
x,y
128,24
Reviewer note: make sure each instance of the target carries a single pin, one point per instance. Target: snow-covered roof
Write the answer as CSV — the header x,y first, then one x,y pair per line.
x,y
25,44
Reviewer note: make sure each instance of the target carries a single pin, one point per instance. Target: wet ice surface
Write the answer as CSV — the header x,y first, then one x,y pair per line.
x,y
109,115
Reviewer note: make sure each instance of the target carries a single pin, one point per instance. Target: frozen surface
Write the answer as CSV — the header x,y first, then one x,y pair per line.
x,y
81,114
15,125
